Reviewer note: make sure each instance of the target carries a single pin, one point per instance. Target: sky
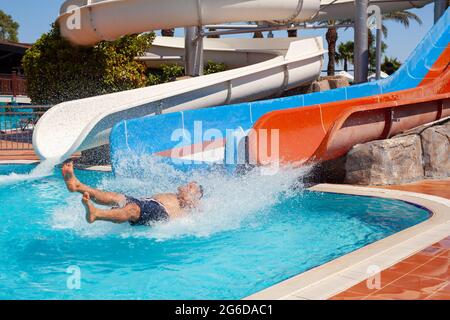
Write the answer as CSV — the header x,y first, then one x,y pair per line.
x,y
36,16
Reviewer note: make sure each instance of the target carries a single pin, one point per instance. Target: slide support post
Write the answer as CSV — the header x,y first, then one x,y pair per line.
x,y
361,41
439,8
378,57
193,56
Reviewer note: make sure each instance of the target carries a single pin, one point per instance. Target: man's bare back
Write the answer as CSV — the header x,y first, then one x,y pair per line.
x,y
127,209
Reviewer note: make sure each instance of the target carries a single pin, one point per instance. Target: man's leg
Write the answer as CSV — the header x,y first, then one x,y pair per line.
x,y
98,196
130,212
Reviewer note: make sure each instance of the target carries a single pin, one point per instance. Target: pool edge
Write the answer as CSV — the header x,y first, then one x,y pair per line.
x,y
331,278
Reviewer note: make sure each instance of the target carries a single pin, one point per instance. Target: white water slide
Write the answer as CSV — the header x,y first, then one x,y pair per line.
x,y
279,64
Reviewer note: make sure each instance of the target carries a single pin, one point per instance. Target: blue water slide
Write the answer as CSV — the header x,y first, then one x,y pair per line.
x,y
154,134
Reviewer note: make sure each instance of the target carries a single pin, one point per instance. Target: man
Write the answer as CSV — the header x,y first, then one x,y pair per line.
x,y
160,207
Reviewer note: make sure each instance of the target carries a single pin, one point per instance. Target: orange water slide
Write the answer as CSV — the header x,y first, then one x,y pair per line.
x,y
328,131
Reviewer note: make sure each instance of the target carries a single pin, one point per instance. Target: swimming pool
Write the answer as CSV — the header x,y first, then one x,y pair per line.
x,y
9,122
225,253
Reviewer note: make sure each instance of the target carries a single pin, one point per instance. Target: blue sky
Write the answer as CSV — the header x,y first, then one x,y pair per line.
x,y
35,17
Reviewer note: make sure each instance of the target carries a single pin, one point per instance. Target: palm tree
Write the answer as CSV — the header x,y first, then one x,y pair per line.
x,y
258,34
168,32
404,17
345,53
373,50
390,65
331,36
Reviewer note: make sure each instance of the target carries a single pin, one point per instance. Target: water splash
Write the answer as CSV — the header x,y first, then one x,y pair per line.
x,y
42,170
229,201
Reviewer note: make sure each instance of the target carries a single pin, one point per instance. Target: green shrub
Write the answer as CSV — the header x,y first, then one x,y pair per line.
x,y
214,67
169,72
166,73
58,71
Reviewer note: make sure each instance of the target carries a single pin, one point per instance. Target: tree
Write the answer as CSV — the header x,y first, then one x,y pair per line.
x,y
9,29
390,65
373,51
331,37
258,35
404,17
58,71
345,53
168,32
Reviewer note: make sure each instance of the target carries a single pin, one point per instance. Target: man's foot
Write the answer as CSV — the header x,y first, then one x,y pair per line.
x,y
71,181
90,208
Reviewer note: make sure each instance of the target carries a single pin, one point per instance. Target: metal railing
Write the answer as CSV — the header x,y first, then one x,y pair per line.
x,y
17,124
13,85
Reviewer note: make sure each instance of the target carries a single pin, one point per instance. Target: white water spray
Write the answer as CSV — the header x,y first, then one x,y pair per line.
x,y
42,170
230,201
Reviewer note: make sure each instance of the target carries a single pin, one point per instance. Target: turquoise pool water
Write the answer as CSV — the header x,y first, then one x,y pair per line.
x,y
8,122
239,245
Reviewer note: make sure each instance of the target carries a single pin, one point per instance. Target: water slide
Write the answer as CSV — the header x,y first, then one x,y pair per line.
x,y
233,52
421,77
329,131
83,124
110,19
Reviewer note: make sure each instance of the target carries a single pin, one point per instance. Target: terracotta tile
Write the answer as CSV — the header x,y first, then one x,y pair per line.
x,y
386,277
374,297
445,243
432,251
389,276
445,254
395,293
445,289
418,283
439,296
361,288
349,295
437,268
419,258
403,267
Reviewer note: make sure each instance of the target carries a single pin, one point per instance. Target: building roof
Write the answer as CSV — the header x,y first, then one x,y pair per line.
x,y
14,47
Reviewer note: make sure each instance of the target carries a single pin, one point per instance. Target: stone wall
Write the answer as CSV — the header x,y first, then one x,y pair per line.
x,y
421,153
322,84
329,83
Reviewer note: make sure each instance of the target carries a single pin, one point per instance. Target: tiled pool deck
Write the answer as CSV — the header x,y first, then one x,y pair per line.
x,y
424,275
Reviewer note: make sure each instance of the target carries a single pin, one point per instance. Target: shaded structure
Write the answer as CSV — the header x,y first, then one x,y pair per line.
x,y
12,80
11,55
